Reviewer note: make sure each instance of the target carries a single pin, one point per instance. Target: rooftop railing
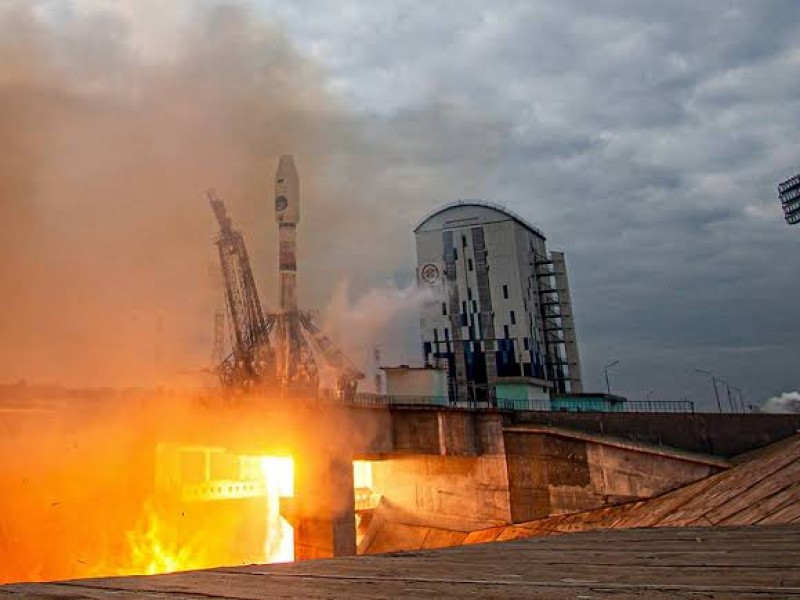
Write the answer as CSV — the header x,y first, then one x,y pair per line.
x,y
555,405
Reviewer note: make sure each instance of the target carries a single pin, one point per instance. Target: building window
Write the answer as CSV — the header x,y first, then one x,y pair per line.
x,y
455,253
513,318
469,264
464,240
474,306
435,334
469,293
505,331
447,334
463,306
505,292
526,342
444,308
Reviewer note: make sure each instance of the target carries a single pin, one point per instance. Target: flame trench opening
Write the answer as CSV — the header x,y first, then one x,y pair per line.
x,y
210,517
145,507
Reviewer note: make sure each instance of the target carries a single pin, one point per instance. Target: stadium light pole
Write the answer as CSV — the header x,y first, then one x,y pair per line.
x,y
605,370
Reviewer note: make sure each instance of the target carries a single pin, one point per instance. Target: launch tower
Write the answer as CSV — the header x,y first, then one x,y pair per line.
x,y
285,362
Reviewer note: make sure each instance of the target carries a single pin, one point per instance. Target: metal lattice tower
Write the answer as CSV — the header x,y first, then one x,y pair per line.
x,y
287,362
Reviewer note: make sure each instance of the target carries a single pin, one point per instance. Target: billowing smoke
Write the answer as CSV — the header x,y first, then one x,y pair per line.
x,y
114,122
374,320
786,403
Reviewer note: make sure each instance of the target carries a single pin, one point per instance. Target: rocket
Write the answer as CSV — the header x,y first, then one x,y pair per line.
x,y
287,214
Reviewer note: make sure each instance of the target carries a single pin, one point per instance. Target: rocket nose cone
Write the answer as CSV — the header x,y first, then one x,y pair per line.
x,y
286,167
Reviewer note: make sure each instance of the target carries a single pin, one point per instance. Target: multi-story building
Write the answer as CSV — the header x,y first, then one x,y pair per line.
x,y
789,194
500,318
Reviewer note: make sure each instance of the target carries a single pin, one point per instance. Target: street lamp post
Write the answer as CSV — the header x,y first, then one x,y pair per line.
x,y
605,370
714,383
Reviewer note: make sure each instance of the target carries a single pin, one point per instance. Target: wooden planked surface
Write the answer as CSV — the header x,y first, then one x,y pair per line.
x,y
736,562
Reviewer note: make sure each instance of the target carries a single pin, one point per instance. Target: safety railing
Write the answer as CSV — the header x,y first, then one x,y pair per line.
x,y
371,400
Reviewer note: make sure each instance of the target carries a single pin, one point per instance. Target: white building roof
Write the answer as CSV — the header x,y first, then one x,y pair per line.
x,y
502,210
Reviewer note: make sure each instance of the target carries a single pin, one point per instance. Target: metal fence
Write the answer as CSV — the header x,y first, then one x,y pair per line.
x,y
628,406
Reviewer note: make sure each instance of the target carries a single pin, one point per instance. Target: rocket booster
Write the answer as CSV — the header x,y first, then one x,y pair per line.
x,y
287,192
287,214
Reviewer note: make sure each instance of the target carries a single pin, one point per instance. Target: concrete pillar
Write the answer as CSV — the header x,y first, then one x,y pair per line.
x,y
324,507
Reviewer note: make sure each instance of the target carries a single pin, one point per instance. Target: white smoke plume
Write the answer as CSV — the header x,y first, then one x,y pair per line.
x,y
376,319
786,403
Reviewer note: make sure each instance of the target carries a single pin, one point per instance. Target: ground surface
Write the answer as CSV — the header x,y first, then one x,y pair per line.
x,y
722,562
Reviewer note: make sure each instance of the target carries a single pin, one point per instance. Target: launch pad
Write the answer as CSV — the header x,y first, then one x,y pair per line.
x,y
286,362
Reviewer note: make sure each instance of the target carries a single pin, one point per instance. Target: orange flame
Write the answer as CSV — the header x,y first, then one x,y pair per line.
x,y
279,475
155,546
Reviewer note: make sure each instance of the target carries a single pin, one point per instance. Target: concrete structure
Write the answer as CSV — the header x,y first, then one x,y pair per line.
x,y
764,489
789,194
502,319
464,470
431,468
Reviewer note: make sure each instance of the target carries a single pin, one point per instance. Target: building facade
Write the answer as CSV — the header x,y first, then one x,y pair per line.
x,y
789,194
499,317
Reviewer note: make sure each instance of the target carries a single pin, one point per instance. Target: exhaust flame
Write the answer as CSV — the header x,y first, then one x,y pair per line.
x,y
156,546
279,476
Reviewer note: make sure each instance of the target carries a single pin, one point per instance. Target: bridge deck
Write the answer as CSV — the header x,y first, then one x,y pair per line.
x,y
737,562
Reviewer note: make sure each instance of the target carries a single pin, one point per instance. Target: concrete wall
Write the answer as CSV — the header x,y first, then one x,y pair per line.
x,y
446,432
553,474
721,435
454,492
459,481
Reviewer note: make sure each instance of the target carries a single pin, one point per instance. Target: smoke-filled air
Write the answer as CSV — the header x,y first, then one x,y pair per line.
x,y
113,131
111,139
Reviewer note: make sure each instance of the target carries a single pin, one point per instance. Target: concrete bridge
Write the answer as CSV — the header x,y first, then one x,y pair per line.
x,y
468,469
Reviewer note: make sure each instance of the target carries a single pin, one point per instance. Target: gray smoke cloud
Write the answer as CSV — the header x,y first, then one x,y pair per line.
x,y
113,128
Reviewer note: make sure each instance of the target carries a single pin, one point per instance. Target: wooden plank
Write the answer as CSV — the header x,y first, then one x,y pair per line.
x,y
767,506
737,562
776,482
736,481
654,510
440,538
787,514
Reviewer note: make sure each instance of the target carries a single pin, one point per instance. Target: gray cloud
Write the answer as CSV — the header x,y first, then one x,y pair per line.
x,y
645,140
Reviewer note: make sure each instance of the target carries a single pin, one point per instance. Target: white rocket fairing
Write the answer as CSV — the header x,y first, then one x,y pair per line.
x,y
287,192
287,214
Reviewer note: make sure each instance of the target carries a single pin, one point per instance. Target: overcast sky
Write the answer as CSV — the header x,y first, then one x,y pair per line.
x,y
645,139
